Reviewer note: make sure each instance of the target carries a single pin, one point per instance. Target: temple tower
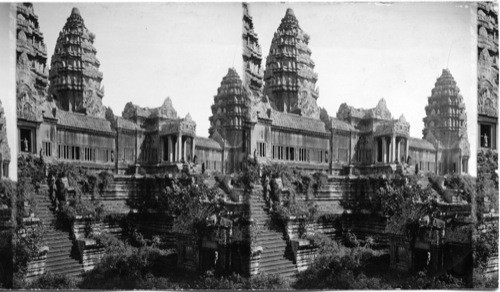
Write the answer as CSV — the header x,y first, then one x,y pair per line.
x,y
445,112
31,69
75,79
290,80
229,116
446,123
252,53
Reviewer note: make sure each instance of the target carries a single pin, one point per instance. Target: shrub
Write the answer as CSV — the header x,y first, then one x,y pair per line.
x,y
127,269
269,282
53,281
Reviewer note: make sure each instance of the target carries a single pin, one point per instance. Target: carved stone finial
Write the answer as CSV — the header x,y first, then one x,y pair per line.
x,y
75,11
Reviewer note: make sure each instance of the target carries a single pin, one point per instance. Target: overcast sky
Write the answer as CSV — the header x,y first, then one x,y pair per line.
x,y
8,85
363,52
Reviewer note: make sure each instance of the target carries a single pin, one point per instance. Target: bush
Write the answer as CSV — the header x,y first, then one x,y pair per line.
x,y
53,281
128,269
339,268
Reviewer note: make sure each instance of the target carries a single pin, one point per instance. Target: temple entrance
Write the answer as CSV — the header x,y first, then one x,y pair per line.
x,y
485,136
26,140
421,259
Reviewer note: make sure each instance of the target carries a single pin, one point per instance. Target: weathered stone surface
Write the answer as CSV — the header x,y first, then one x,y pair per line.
x,y
487,21
231,107
290,80
346,112
252,53
166,110
75,79
446,115
31,69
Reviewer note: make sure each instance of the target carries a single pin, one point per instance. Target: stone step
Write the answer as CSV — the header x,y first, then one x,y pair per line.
x,y
67,269
61,258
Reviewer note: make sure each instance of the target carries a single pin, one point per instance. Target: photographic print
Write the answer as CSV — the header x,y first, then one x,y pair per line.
x,y
253,145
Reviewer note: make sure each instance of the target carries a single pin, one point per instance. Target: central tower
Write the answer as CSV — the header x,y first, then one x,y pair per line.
x,y
75,79
290,80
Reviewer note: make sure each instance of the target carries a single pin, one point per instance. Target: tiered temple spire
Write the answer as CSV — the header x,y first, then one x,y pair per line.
x,y
230,107
252,53
446,117
290,80
74,74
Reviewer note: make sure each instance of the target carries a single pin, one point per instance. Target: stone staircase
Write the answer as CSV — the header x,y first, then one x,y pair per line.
x,y
277,255
62,257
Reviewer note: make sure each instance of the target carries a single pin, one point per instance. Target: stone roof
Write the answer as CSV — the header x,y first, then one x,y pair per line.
x,y
379,112
125,124
81,121
166,110
341,125
296,122
421,144
207,143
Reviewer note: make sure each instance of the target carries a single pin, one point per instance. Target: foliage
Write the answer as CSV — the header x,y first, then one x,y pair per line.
x,y
8,191
341,269
6,256
111,244
78,206
234,281
250,175
466,185
487,180
27,243
485,246
325,244
423,281
129,269
325,118
483,281
110,117
53,281
31,174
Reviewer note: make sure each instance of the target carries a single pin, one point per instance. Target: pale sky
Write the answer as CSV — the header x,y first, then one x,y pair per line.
x,y
362,51
8,85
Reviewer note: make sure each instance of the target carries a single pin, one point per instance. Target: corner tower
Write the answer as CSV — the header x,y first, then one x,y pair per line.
x,y
446,122
229,119
290,80
75,79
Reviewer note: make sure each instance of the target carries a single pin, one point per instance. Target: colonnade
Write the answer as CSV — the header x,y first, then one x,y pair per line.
x,y
174,148
393,149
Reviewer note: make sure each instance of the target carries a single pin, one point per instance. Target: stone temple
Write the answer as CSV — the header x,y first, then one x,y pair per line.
x,y
269,113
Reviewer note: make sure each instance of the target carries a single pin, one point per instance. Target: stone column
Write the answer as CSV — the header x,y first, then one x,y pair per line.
x,y
407,153
159,149
393,149
459,170
375,150
398,150
170,148
184,150
384,149
1,168
192,149
179,147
